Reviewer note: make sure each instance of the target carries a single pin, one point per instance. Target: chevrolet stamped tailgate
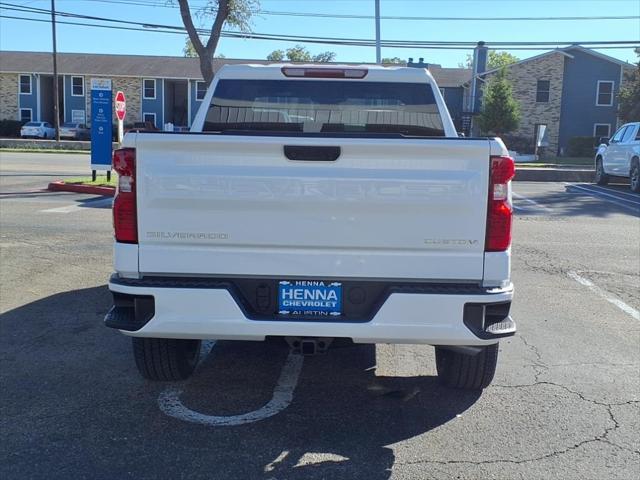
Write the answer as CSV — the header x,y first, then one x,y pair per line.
x,y
238,205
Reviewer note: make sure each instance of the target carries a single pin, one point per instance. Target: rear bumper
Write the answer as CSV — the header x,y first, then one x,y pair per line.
x,y
434,316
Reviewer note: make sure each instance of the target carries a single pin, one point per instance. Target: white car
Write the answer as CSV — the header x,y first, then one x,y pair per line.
x,y
312,203
37,130
620,156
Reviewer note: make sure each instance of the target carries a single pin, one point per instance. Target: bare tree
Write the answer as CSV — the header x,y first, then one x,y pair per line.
x,y
236,13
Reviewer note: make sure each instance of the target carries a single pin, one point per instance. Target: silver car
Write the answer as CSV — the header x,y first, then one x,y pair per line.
x,y
37,130
76,131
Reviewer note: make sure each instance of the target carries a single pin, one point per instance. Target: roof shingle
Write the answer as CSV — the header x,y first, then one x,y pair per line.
x,y
155,66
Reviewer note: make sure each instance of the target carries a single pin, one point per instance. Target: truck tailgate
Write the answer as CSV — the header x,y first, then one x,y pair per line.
x,y
211,204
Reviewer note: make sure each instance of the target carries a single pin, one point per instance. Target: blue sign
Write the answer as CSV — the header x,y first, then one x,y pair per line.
x,y
101,124
310,298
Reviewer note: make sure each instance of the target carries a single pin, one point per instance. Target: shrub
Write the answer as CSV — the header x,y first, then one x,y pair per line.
x,y
520,144
582,146
10,128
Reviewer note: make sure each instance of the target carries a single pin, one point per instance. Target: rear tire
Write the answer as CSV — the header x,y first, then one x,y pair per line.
x,y
601,178
634,175
469,372
166,359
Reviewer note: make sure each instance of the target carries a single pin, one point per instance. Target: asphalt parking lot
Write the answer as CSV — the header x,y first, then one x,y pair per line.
x,y
565,403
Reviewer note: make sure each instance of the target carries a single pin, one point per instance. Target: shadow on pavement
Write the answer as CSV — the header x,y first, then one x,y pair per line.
x,y
74,405
574,200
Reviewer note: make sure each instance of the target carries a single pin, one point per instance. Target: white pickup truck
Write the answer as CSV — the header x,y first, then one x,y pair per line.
x,y
314,203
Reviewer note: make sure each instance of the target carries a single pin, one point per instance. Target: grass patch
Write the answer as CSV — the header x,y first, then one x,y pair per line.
x,y
101,181
42,150
559,162
571,160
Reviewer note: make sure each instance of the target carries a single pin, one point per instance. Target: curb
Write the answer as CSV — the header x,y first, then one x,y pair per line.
x,y
79,188
83,146
553,175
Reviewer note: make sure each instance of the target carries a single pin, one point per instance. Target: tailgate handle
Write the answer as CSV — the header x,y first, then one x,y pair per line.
x,y
312,153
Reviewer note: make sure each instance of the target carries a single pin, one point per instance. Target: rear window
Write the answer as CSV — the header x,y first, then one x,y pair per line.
x,y
322,107
32,124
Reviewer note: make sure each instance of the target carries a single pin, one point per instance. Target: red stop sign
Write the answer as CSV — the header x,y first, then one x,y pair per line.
x,y
121,105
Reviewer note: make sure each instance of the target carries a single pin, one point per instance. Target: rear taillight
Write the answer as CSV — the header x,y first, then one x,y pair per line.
x,y
499,211
125,221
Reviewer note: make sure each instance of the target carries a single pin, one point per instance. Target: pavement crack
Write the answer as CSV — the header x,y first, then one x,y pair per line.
x,y
539,366
602,437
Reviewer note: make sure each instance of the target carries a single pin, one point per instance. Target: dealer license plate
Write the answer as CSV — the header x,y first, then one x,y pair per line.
x,y
310,298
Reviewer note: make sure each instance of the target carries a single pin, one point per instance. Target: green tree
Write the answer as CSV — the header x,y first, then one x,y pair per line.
x,y
324,57
629,96
233,13
393,61
300,53
495,59
188,50
276,56
500,111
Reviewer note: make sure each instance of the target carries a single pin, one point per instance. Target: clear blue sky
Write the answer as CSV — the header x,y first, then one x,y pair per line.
x,y
21,35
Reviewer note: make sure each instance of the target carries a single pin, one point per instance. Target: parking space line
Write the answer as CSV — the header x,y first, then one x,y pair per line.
x,y
170,404
532,202
102,202
597,193
634,196
629,310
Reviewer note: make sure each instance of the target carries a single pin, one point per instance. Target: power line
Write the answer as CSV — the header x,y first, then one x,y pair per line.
x,y
162,4
157,28
259,37
312,39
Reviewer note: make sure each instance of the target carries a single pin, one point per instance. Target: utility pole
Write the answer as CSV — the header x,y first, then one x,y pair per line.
x,y
378,52
56,94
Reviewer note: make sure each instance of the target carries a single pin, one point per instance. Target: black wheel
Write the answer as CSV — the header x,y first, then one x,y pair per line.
x,y
601,177
469,372
634,175
166,359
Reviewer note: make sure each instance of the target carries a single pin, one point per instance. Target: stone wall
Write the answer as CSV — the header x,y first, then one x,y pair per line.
x,y
9,96
524,78
132,88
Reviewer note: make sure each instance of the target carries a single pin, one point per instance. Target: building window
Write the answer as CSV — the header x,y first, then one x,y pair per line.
x,y
201,90
149,117
26,115
77,86
542,91
604,95
25,84
602,130
149,89
77,116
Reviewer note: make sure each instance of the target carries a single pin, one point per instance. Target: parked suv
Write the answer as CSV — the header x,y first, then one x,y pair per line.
x,y
620,156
